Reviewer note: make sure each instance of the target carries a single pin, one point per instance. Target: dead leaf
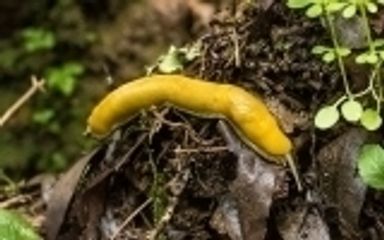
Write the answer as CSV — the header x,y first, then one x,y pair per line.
x,y
62,195
302,224
256,183
288,119
339,182
226,220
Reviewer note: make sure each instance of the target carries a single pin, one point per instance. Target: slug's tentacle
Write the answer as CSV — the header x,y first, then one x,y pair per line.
x,y
247,113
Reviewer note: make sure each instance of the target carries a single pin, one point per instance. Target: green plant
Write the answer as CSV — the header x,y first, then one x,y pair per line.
x,y
371,165
60,79
351,108
35,39
175,59
371,157
14,226
63,78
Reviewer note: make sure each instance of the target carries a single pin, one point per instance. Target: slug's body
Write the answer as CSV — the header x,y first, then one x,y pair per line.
x,y
247,113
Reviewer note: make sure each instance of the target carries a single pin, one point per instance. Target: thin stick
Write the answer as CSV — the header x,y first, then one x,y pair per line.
x,y
36,86
130,217
205,150
19,199
235,38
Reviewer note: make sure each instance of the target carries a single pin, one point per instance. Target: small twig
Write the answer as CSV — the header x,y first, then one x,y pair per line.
x,y
37,85
190,131
205,150
16,200
235,39
130,217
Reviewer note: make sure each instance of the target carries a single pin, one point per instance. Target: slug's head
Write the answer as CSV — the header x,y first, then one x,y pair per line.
x,y
98,123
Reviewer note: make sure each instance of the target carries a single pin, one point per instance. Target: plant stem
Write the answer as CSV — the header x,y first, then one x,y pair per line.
x,y
336,45
340,100
376,71
370,88
378,106
367,30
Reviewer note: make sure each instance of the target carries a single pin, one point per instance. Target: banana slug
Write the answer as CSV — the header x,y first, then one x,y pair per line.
x,y
247,113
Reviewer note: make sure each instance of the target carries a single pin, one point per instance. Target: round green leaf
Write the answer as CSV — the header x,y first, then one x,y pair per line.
x,y
371,165
314,11
298,3
326,117
351,110
329,57
344,52
362,58
335,6
349,11
371,120
319,49
372,58
371,7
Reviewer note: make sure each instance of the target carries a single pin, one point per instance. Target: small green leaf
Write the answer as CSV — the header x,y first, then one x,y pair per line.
x,y
64,78
372,58
351,110
329,57
343,52
171,61
319,49
35,39
14,226
314,11
326,117
371,165
297,4
362,58
335,6
371,7
349,11
43,116
371,120
73,68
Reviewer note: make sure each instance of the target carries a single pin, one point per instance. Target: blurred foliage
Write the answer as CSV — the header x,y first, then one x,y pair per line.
x,y
35,39
63,78
72,44
14,226
47,133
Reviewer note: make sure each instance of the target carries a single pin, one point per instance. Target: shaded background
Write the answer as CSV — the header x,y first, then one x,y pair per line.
x,y
83,49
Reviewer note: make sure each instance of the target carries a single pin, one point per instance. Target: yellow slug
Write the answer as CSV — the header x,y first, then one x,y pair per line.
x,y
246,112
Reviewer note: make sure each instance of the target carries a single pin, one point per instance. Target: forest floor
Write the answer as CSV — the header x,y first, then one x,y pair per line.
x,y
171,175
